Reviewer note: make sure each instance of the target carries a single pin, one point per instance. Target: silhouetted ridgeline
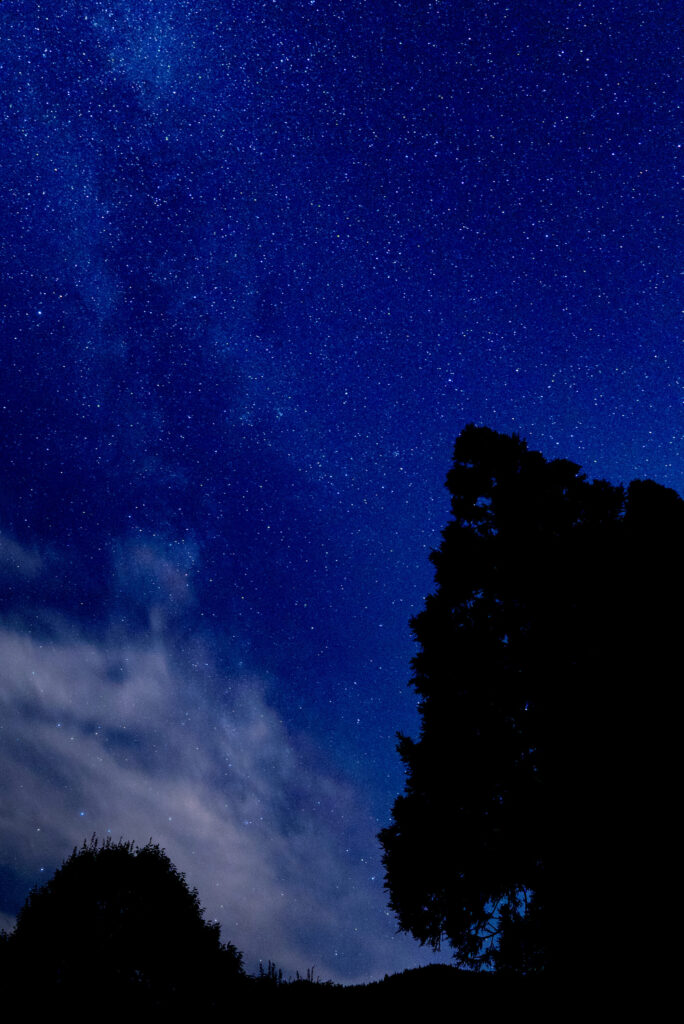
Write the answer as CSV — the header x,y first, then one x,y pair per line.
x,y
438,989
442,989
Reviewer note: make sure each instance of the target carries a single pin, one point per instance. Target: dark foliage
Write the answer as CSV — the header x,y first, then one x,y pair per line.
x,y
467,994
531,818
118,927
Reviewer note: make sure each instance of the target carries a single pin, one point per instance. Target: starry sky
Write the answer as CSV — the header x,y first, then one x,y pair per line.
x,y
260,263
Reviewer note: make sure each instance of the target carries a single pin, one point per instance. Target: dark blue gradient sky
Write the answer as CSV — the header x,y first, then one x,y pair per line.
x,y
260,264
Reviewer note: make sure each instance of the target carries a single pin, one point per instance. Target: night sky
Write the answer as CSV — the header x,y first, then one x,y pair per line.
x,y
261,262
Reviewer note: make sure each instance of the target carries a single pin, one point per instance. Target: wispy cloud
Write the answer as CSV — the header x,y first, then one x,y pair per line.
x,y
110,737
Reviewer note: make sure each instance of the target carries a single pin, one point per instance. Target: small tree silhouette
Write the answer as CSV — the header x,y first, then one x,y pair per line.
x,y
120,922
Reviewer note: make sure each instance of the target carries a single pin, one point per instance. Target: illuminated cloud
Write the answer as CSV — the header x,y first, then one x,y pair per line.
x,y
108,738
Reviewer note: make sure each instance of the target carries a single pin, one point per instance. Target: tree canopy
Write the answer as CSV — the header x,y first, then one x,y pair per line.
x,y
555,598
119,919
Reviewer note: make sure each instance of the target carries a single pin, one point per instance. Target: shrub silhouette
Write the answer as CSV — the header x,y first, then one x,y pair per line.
x,y
120,922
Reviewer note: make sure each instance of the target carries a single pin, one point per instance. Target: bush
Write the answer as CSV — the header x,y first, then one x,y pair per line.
x,y
119,922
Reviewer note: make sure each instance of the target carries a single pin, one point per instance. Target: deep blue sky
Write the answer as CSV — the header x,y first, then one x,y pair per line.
x,y
260,264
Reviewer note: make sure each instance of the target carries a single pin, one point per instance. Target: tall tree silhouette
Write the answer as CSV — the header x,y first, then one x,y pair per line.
x,y
119,922
552,592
